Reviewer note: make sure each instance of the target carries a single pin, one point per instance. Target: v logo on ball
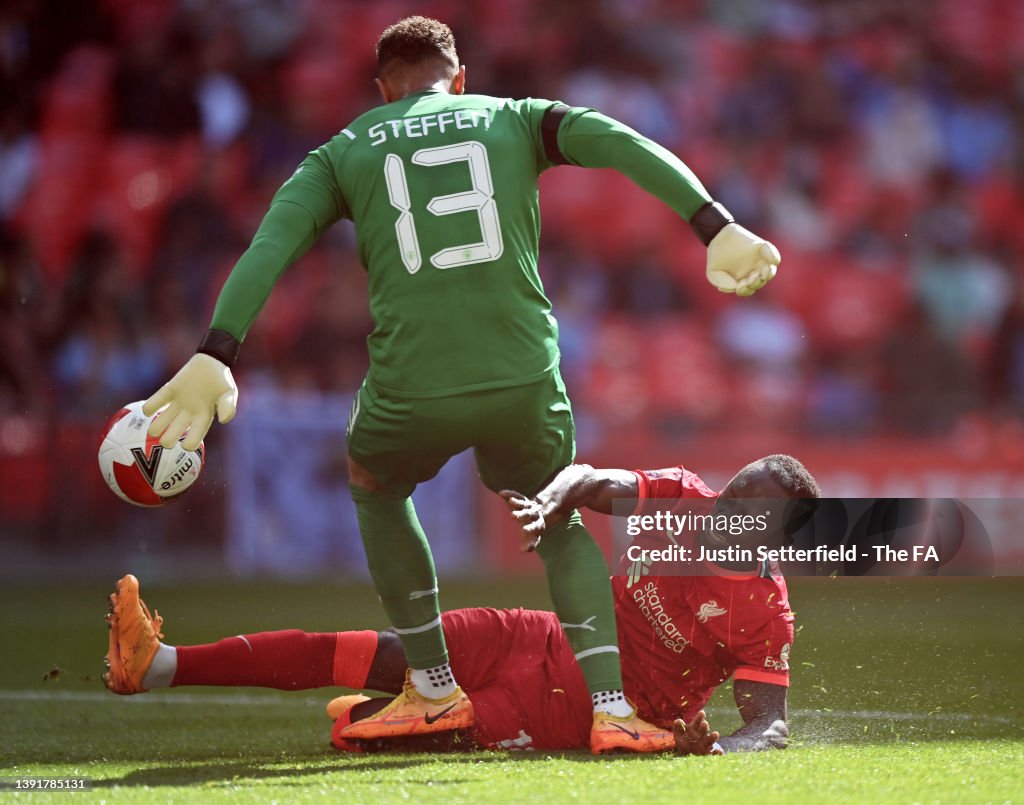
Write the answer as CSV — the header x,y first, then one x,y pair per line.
x,y
148,466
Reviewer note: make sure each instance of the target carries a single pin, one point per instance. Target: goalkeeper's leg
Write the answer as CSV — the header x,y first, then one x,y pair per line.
x,y
403,572
578,582
402,569
390,451
530,437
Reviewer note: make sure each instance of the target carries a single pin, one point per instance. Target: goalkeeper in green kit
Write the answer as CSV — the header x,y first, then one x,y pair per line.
x,y
442,188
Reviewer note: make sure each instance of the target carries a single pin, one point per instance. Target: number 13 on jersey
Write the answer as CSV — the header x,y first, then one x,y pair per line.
x,y
479,198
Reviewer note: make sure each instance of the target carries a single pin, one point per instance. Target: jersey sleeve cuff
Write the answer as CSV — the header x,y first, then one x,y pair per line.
x,y
709,220
760,675
221,345
643,489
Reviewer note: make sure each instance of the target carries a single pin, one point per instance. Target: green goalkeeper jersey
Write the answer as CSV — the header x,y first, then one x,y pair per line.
x,y
443,193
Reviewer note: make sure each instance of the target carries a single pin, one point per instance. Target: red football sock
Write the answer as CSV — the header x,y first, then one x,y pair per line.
x,y
287,660
352,658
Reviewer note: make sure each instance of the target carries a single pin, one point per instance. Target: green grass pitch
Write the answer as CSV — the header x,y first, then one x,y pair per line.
x,y
903,691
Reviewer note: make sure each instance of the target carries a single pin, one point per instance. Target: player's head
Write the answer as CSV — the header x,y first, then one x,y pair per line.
x,y
418,53
775,476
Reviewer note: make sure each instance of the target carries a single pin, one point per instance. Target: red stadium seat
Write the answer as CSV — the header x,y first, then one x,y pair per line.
x,y
75,116
142,175
57,211
687,374
77,101
842,305
617,385
26,470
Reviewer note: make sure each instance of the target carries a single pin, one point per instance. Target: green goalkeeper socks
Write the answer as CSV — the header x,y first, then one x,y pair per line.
x,y
402,568
403,571
578,581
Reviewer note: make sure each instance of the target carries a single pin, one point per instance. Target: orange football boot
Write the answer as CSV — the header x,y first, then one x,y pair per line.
x,y
412,713
630,733
134,638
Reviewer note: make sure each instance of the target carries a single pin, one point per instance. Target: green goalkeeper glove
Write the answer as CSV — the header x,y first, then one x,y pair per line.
x,y
188,401
739,261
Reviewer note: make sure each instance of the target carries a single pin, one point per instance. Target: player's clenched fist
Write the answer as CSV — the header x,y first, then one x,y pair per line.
x,y
188,401
739,261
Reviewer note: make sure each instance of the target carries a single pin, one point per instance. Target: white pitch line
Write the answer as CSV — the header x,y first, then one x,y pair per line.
x,y
160,698
894,715
280,701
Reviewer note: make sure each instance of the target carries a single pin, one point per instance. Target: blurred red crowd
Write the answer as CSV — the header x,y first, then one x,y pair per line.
x,y
879,143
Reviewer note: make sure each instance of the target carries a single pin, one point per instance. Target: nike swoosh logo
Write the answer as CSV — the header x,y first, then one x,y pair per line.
x,y
631,733
430,719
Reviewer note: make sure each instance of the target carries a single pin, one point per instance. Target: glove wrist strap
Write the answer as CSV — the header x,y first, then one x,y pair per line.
x,y
220,345
709,220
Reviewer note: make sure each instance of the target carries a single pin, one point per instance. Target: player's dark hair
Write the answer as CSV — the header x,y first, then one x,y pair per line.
x,y
791,475
799,484
415,40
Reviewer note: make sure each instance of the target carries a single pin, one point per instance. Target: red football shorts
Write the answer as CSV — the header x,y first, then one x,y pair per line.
x,y
522,677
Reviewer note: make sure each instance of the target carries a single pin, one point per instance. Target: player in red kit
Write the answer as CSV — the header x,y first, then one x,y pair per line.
x,y
686,627
681,636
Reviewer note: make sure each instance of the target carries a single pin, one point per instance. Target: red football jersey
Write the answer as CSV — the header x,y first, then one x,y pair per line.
x,y
682,635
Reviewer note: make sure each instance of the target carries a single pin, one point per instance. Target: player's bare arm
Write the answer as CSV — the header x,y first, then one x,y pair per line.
x,y
763,709
578,486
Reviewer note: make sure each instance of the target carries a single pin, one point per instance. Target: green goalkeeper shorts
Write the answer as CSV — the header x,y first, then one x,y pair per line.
x,y
521,436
